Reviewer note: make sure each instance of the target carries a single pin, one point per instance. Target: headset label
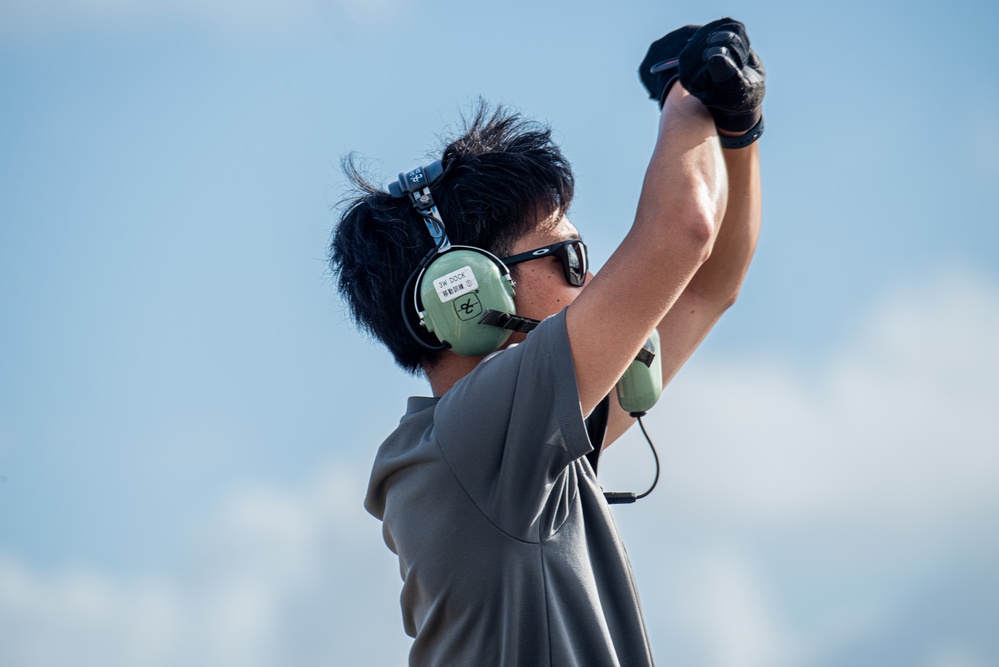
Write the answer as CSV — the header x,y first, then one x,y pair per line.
x,y
455,284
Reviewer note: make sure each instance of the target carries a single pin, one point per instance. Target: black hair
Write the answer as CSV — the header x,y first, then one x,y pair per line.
x,y
503,178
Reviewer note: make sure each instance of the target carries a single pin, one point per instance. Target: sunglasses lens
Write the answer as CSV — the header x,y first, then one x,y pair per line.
x,y
575,263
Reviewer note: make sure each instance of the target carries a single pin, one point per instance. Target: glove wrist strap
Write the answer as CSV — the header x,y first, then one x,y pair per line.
x,y
743,140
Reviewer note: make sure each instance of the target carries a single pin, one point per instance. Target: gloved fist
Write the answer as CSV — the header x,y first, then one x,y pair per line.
x,y
719,68
659,70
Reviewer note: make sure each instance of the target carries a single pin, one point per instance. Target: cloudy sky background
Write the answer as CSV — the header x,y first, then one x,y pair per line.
x,y
187,420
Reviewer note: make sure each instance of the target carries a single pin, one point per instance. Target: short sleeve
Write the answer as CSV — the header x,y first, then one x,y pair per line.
x,y
510,429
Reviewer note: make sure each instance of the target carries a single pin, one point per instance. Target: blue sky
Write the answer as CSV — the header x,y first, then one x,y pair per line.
x,y
187,419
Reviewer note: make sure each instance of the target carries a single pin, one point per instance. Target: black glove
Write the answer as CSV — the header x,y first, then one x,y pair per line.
x,y
718,67
658,71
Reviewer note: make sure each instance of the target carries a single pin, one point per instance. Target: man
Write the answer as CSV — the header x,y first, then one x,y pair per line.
x,y
487,490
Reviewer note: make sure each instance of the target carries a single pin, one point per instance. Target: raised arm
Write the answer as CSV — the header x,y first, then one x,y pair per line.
x,y
715,285
679,212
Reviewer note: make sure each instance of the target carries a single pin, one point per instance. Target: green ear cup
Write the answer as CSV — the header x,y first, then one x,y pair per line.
x,y
640,386
456,290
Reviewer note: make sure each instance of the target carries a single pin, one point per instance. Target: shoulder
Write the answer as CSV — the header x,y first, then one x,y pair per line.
x,y
410,442
546,348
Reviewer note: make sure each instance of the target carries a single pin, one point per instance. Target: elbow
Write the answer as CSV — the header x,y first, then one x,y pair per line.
x,y
705,219
701,231
730,300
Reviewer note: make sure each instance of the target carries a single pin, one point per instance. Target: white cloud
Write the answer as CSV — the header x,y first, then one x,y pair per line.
x,y
726,607
274,569
897,432
874,471
76,618
895,436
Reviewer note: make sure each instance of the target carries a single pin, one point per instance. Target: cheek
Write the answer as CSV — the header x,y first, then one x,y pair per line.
x,y
541,291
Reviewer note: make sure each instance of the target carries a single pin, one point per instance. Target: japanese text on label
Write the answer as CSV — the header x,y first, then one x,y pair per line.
x,y
456,283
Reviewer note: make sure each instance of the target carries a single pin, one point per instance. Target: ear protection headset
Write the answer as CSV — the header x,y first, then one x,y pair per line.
x,y
461,296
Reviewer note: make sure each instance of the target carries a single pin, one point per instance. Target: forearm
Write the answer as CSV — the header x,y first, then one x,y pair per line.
x,y
717,281
686,181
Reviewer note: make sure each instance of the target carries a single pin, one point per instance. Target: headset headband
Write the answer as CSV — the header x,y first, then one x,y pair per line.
x,y
416,184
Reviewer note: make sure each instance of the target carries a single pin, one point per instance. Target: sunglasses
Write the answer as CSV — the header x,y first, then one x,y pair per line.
x,y
571,253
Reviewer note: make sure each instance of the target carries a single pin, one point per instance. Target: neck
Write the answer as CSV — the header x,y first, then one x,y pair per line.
x,y
451,368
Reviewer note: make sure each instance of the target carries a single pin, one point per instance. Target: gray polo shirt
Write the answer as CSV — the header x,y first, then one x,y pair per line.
x,y
507,549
